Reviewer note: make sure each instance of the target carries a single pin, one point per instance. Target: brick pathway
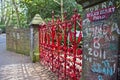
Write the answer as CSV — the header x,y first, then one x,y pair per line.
x,y
15,66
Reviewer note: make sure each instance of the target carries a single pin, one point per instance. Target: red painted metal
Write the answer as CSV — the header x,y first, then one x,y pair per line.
x,y
59,47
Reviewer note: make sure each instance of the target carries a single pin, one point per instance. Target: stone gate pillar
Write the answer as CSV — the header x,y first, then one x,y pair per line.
x,y
34,37
101,41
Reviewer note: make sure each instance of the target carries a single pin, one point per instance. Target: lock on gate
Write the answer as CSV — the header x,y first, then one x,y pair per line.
x,y
60,48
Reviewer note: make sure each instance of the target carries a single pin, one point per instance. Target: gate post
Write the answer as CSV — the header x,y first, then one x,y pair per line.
x,y
31,42
34,34
101,31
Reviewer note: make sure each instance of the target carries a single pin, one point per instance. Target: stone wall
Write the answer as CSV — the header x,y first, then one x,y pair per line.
x,y
18,40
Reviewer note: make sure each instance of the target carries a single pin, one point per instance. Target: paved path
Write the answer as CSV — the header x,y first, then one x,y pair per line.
x,y
15,66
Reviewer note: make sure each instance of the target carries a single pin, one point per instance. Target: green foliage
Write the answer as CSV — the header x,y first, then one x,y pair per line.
x,y
70,5
42,7
45,7
117,3
2,27
21,12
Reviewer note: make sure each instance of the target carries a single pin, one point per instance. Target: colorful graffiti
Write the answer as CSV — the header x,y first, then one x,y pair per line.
x,y
106,69
101,6
101,14
101,39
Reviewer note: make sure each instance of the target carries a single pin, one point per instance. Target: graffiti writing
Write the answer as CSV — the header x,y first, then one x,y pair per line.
x,y
97,53
100,77
102,6
105,69
100,32
100,14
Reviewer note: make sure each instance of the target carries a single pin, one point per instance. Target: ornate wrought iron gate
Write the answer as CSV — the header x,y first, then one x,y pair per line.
x,y
60,48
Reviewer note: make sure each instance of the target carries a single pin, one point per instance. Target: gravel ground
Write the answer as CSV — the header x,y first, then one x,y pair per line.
x,y
15,66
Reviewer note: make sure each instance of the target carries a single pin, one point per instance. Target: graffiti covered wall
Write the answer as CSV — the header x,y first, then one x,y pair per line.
x,y
101,31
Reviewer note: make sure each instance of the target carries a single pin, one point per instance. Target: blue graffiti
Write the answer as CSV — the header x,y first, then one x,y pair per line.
x,y
103,68
100,77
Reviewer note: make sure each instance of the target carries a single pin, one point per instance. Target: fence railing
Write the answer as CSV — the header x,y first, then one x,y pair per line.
x,y
60,47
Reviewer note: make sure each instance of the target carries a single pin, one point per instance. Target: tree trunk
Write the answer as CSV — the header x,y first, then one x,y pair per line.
x,y
17,13
2,11
62,15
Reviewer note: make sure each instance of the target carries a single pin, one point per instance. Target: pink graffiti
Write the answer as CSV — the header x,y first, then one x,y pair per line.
x,y
101,14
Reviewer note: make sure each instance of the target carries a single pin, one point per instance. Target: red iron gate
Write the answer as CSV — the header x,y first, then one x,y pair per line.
x,y
59,45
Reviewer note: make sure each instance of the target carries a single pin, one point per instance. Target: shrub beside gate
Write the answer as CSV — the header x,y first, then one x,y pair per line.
x,y
60,48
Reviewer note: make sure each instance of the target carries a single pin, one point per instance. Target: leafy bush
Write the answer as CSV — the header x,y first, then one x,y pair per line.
x,y
2,27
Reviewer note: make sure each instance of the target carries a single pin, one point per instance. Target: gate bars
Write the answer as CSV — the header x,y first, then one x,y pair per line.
x,y
60,48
